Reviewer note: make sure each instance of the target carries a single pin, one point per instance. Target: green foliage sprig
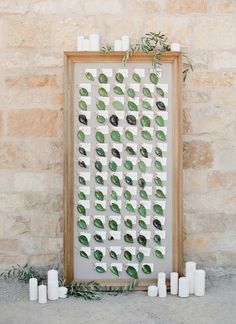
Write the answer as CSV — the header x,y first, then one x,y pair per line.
x,y
22,274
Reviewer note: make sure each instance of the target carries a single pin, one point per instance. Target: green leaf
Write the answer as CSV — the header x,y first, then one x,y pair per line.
x,y
115,136
146,135
158,209
136,77
130,208
112,166
83,240
118,105
131,120
101,105
161,135
160,92
113,225
98,166
128,255
146,269
81,195
98,238
82,164
118,90
141,183
158,182
153,78
146,105
99,179
84,254
158,165
142,166
157,224
131,92
98,223
128,165
115,180
81,224
160,121
128,238
131,271
102,78
99,195
142,210
160,194
130,150
160,105
114,120
100,151
143,194
142,224
159,254
89,76
147,92
81,136
82,180
113,255
100,119
115,271
128,223
82,105
140,256
144,152
114,195
142,240
145,121
128,180
100,137
82,151
129,135
158,151
119,77
98,255
132,106
83,92
83,119
100,269
99,207
115,208
115,152
102,92
127,195
157,239
81,209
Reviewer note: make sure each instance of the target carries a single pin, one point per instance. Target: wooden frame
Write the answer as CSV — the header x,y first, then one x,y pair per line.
x,y
71,58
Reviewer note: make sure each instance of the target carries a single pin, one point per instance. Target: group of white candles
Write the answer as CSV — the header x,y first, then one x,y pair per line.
x,y
192,283
92,43
42,292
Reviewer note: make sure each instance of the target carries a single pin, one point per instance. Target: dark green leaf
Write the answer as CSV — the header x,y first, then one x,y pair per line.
x,y
99,207
130,208
81,195
99,195
142,224
89,76
98,255
128,255
99,179
83,119
147,92
157,224
160,92
84,254
145,121
83,92
130,150
157,239
102,92
100,137
115,180
131,120
146,105
82,164
160,105
128,180
142,210
102,78
127,195
112,166
82,180
81,224
128,238
158,182
115,208
119,77
153,78
114,120
128,223
82,151
113,255
83,240
136,77
101,105
81,209
141,183
159,254
160,121
146,269
100,151
98,223
98,238
142,240
146,135
131,271
158,209
115,152
128,165
98,166
115,271
158,165
118,90
132,106
158,151
131,92
114,195
100,269
113,225
144,152
160,194
115,136
143,194
161,135
140,256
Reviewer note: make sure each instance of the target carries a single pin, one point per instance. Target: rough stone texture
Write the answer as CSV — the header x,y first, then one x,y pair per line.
x,y
33,37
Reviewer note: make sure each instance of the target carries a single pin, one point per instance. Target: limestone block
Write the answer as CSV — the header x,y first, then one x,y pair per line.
x,y
198,154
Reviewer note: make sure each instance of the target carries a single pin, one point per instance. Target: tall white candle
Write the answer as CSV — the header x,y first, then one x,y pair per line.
x,y
162,291
33,289
161,279
200,283
62,292
86,45
174,283
80,43
53,289
190,273
94,42
117,45
52,275
183,287
125,42
42,294
175,47
152,291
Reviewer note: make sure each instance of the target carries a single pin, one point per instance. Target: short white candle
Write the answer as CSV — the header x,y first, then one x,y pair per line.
x,y
174,283
94,42
117,45
162,291
53,289
125,42
33,289
152,291
175,47
86,45
80,43
183,287
190,274
161,279
42,294
200,276
62,292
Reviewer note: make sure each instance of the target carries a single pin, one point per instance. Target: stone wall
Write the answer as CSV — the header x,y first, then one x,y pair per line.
x,y
33,36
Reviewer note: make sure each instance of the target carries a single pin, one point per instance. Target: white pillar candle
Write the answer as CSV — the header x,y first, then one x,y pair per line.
x,y
161,279
117,45
175,47
162,291
53,289
80,43
94,42
152,291
183,287
174,283
86,45
200,283
190,273
62,292
125,42
42,294
52,275
33,289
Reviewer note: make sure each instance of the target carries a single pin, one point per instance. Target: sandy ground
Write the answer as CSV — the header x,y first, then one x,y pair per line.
x,y
218,306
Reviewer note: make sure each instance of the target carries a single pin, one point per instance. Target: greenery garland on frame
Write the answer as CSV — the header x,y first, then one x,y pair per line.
x,y
153,42
87,290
